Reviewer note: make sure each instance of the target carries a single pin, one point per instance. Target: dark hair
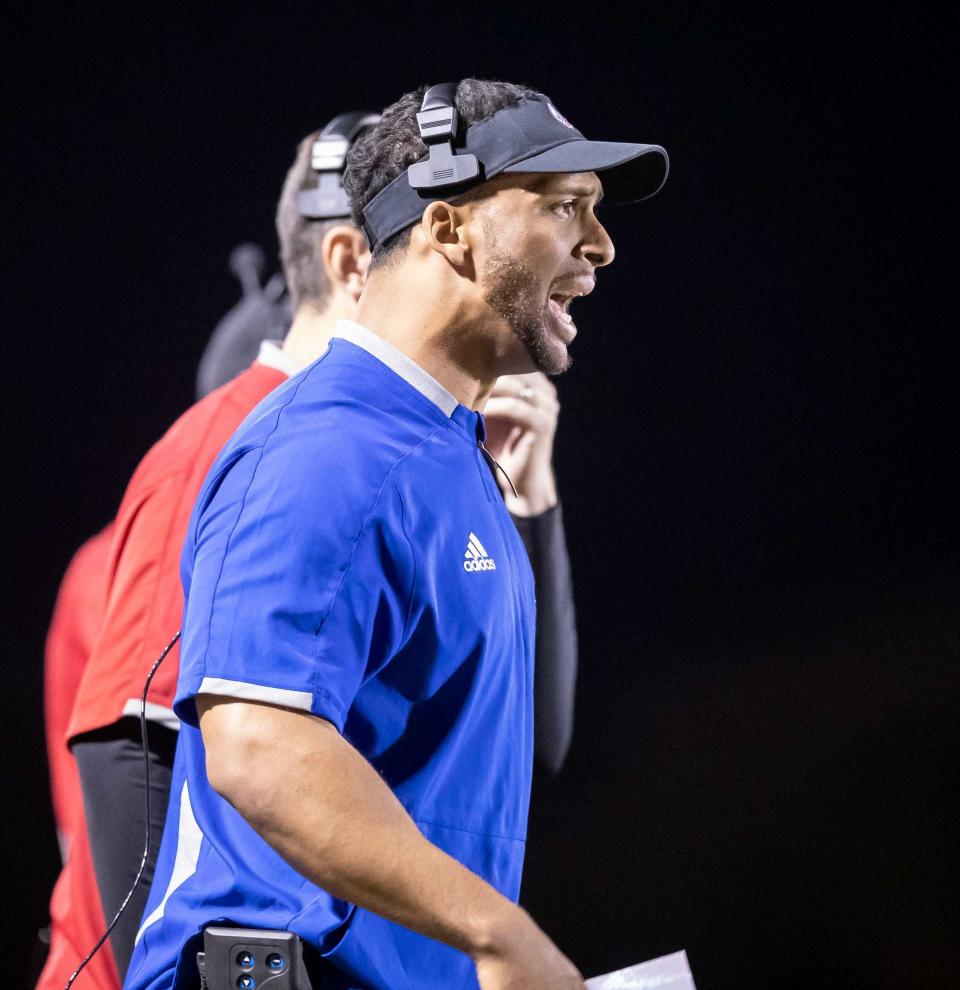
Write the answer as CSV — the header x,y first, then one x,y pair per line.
x,y
377,158
300,238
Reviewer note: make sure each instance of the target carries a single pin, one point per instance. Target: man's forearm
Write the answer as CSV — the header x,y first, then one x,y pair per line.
x,y
325,810
556,661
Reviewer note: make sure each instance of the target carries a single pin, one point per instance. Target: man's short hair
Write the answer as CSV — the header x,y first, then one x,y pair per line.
x,y
300,238
378,157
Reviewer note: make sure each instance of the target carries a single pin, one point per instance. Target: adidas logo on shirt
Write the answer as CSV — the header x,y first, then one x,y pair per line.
x,y
476,558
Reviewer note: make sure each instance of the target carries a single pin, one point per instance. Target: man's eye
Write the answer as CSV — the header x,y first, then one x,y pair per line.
x,y
566,208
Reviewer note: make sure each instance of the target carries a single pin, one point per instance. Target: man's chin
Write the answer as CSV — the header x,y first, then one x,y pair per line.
x,y
560,366
560,360
546,350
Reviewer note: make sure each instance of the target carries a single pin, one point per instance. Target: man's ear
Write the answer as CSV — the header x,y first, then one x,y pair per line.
x,y
346,258
446,229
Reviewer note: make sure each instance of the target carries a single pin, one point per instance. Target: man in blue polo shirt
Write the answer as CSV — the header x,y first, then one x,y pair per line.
x,y
356,665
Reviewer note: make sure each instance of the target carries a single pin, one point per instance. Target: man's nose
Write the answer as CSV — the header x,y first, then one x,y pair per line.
x,y
597,247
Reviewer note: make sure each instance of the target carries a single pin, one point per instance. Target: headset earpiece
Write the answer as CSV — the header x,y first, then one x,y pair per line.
x,y
438,122
328,201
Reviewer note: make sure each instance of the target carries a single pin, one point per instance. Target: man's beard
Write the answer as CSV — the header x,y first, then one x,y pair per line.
x,y
511,290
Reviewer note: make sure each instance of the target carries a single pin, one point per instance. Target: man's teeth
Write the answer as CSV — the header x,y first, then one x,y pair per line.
x,y
560,311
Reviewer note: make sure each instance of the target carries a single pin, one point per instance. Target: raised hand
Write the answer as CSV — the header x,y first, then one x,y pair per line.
x,y
521,420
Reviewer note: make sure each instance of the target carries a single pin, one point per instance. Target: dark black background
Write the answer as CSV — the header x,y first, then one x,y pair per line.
x,y
753,454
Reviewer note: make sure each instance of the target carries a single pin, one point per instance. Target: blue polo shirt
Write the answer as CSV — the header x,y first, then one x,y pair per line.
x,y
350,556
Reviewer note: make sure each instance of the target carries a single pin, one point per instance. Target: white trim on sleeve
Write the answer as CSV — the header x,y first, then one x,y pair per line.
x,y
301,700
154,713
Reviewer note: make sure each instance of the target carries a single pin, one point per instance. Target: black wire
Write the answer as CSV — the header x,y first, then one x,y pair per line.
x,y
146,836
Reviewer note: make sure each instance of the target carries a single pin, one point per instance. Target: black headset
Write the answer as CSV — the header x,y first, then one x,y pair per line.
x,y
438,122
328,201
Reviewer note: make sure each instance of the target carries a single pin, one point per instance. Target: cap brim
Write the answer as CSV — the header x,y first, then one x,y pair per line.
x,y
629,172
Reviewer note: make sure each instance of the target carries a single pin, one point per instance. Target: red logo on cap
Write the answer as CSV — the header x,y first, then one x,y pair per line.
x,y
559,116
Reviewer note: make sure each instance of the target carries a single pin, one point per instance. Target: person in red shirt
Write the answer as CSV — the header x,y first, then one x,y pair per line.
x,y
325,260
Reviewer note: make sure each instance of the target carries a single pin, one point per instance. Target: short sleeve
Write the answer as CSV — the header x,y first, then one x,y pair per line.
x,y
298,576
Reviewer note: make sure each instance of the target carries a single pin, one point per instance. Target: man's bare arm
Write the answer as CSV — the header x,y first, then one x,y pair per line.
x,y
326,811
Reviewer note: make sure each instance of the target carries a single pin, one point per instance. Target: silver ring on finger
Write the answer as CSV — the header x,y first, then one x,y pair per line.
x,y
528,393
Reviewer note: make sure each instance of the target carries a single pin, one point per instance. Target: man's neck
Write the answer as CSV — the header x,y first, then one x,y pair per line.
x,y
432,331
310,333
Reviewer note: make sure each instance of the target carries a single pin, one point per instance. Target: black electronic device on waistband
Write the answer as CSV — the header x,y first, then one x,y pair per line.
x,y
251,959
328,201
437,121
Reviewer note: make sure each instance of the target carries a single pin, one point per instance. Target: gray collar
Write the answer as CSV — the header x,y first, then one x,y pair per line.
x,y
398,362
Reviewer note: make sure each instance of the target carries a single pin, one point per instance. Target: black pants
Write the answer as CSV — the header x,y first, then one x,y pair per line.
x,y
111,768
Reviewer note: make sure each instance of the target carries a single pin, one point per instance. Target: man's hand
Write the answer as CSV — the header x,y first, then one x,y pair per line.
x,y
525,959
521,420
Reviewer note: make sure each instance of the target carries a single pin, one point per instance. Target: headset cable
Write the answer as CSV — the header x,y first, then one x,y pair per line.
x,y
146,837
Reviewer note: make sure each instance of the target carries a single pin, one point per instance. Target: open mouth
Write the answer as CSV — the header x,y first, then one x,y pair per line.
x,y
560,307
568,287
561,322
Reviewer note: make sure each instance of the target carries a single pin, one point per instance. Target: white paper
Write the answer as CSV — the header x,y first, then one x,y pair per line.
x,y
672,972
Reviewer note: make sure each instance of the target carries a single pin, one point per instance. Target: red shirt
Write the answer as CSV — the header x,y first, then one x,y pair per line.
x,y
81,603
76,917
145,599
